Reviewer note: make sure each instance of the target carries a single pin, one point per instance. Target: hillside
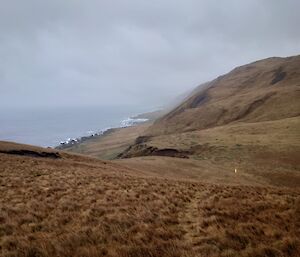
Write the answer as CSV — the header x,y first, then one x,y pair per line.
x,y
265,152
261,91
72,205
247,120
218,176
266,90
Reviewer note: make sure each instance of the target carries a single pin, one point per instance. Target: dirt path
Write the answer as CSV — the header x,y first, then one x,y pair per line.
x,y
191,219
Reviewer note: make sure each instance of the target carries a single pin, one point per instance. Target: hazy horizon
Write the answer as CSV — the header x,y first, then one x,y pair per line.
x,y
134,53
50,126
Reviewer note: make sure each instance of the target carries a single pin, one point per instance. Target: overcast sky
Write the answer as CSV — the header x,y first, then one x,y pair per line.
x,y
140,52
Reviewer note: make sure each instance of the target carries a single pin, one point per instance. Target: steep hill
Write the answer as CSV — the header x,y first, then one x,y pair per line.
x,y
261,91
247,120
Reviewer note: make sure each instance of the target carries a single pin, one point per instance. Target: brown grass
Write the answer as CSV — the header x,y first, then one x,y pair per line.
x,y
57,204
254,92
263,152
85,207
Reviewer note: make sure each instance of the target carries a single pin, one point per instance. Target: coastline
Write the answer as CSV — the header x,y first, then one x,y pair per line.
x,y
134,120
128,122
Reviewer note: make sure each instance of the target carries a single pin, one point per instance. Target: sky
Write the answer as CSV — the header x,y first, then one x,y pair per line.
x,y
133,52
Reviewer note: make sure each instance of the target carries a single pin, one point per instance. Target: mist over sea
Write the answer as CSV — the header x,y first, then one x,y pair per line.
x,y
49,126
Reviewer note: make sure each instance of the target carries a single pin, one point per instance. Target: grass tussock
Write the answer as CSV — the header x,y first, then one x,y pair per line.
x,y
77,209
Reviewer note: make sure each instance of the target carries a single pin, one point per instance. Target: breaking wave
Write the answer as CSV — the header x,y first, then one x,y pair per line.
x,y
128,122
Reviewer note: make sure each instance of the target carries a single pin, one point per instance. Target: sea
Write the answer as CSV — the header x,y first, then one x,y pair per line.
x,y
49,127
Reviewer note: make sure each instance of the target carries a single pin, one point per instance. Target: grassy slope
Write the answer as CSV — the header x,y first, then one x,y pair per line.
x,y
154,206
260,91
267,90
79,206
247,120
266,152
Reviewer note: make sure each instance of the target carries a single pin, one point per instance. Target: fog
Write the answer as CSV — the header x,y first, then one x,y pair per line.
x,y
133,52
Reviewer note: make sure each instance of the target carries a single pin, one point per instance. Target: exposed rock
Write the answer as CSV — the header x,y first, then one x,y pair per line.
x,y
52,155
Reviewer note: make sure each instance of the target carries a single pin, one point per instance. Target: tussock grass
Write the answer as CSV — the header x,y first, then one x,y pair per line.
x,y
80,209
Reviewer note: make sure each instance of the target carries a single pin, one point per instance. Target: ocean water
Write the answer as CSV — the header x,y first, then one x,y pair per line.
x,y
50,126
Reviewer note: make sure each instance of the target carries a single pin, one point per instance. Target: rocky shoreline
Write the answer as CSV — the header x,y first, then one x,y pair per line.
x,y
132,121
